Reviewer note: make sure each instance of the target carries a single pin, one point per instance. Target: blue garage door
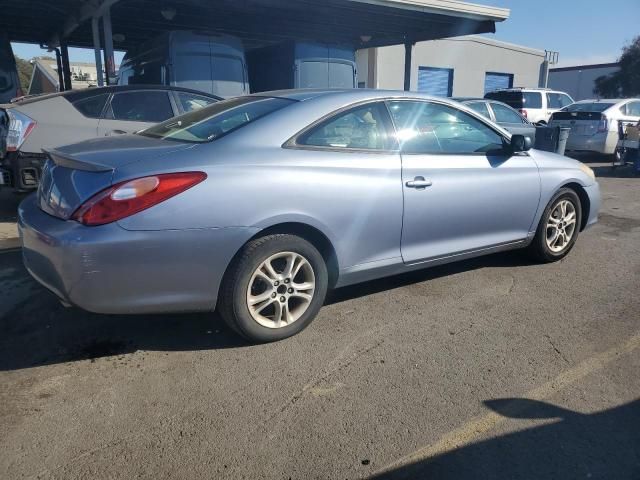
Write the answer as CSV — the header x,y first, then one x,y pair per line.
x,y
435,81
495,81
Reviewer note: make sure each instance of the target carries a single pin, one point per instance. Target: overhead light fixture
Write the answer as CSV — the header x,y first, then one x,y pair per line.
x,y
118,37
168,13
365,38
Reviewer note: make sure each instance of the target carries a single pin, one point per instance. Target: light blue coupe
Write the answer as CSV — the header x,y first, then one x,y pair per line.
x,y
257,205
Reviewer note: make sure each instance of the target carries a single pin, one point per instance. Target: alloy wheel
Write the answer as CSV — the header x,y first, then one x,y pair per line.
x,y
561,226
281,289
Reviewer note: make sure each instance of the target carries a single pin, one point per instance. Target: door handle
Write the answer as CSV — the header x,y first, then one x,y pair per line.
x,y
419,183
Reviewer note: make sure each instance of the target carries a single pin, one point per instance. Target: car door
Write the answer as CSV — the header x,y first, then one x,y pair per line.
x,y
130,111
348,167
462,191
512,121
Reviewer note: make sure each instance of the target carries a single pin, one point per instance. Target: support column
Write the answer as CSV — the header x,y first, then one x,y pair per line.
x,y
95,28
60,75
66,70
408,51
109,66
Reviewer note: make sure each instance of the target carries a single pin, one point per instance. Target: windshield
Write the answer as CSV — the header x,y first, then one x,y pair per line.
x,y
588,107
215,121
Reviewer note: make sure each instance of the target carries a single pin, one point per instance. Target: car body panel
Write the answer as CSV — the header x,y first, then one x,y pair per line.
x,y
465,188
173,256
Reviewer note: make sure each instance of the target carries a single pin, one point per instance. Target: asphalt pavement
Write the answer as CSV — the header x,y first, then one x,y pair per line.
x,y
488,368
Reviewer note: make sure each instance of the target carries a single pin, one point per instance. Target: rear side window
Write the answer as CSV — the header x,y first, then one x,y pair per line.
x,y
365,127
481,108
216,120
505,114
190,101
150,106
92,107
532,99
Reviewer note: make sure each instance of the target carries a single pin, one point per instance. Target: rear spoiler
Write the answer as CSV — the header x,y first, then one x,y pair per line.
x,y
67,161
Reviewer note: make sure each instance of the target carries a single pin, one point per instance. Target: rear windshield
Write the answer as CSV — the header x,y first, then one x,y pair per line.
x,y
588,107
517,99
216,120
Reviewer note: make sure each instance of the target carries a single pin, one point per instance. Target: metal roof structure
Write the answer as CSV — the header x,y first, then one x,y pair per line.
x,y
358,23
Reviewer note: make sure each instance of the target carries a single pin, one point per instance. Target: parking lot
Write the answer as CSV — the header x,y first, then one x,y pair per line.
x,y
489,368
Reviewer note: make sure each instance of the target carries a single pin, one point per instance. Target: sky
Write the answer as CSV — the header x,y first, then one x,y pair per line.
x,y
582,31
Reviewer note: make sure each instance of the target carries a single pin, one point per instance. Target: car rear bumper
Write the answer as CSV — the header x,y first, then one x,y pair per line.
x,y
22,171
604,143
108,269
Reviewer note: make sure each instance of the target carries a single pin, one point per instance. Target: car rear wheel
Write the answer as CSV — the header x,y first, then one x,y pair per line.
x,y
274,288
558,228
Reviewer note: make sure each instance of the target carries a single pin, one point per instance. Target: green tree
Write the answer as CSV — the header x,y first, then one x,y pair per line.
x,y
626,81
25,69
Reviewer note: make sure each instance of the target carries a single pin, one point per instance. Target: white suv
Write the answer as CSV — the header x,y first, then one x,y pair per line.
x,y
537,104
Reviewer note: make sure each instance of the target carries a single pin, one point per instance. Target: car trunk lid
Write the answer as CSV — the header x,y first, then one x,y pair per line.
x,y
74,173
580,123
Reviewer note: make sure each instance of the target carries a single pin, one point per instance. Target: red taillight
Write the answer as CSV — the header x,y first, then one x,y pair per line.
x,y
523,112
603,125
20,126
126,198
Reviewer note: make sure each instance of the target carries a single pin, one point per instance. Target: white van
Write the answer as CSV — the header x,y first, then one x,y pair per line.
x,y
207,62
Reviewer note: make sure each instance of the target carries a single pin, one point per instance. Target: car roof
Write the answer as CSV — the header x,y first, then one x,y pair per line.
x,y
75,95
470,99
351,94
605,100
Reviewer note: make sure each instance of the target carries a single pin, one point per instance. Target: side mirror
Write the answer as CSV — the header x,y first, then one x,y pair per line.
x,y
520,143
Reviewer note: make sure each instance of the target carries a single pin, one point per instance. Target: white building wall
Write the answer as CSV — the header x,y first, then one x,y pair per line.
x,y
470,57
579,82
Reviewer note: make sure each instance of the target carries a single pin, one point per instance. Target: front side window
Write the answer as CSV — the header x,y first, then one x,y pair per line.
x,y
558,100
505,114
216,120
433,128
150,106
365,127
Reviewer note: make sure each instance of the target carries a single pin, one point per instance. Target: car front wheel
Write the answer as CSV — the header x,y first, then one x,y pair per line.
x,y
558,228
274,288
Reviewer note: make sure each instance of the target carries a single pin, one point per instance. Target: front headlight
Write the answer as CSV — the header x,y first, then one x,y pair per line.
x,y
588,171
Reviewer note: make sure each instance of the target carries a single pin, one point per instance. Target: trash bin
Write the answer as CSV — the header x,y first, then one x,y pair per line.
x,y
563,136
546,138
552,139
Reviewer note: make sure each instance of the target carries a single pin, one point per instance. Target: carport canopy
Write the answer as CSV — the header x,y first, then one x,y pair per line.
x,y
356,23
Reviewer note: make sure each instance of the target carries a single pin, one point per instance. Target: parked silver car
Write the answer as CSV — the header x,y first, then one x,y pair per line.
x,y
259,204
45,121
594,123
502,114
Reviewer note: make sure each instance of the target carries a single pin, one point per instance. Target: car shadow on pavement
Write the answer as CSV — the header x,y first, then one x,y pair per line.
x,y
570,445
37,330
506,259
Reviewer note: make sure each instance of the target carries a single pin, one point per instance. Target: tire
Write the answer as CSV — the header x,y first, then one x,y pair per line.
x,y
542,247
247,302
